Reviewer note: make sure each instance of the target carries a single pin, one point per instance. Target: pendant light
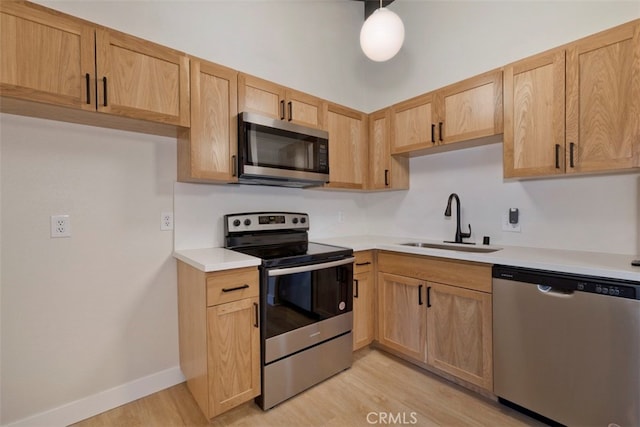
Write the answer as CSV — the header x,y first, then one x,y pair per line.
x,y
381,35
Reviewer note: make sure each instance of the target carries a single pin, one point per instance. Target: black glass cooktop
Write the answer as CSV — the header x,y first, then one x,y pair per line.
x,y
295,253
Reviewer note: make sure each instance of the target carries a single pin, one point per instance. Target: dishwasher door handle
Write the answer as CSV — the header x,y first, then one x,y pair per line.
x,y
550,290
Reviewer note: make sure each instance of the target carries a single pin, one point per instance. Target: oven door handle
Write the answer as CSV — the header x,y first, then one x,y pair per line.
x,y
306,268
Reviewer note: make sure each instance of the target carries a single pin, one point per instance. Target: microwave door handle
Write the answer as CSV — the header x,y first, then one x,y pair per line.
x,y
307,268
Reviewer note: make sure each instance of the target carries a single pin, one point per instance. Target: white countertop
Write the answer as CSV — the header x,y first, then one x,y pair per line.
x,y
216,259
578,262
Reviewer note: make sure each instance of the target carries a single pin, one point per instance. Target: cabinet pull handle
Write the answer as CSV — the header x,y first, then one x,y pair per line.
x,y
290,105
234,166
237,288
571,149
428,296
557,156
386,177
363,263
433,133
104,88
355,294
257,312
88,79
420,295
282,109
440,131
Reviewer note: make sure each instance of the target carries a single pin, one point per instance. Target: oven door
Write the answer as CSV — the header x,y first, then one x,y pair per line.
x,y
305,305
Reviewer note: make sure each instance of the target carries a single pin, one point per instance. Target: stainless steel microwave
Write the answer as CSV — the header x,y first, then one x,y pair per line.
x,y
276,152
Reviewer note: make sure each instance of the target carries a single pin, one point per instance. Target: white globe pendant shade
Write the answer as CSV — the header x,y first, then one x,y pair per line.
x,y
382,35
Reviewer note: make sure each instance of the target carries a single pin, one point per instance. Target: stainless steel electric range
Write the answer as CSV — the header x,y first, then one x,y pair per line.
x,y
306,294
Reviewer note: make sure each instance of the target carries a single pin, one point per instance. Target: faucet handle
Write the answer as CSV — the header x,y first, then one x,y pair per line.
x,y
466,235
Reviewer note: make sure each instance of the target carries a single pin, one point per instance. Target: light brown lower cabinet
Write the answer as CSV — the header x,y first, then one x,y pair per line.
x,y
363,300
439,317
218,316
402,320
459,333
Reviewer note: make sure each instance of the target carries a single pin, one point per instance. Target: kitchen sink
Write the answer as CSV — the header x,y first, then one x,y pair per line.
x,y
451,247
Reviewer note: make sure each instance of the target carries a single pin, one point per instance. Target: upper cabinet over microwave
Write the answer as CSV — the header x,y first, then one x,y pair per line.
x,y
267,98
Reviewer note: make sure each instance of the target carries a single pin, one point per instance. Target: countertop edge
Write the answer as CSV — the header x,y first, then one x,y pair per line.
x,y
615,266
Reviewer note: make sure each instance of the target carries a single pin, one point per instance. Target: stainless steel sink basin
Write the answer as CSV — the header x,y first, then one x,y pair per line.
x,y
451,247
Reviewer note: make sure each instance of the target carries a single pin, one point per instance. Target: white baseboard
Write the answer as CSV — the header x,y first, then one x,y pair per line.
x,y
100,402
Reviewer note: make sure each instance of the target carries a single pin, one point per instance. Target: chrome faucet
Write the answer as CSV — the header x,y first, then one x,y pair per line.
x,y
459,234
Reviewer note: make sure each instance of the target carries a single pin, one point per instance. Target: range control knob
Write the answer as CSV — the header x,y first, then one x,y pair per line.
x,y
247,221
236,222
303,220
295,220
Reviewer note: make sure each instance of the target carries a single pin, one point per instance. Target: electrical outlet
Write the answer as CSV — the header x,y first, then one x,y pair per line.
x,y
340,216
60,226
506,226
166,221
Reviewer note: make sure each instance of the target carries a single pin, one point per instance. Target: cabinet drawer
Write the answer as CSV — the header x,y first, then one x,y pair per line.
x,y
363,262
464,274
227,286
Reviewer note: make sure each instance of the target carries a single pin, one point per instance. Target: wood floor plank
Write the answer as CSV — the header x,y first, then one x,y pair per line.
x,y
377,386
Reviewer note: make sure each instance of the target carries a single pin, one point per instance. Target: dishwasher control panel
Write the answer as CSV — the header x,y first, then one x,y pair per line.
x,y
607,289
568,283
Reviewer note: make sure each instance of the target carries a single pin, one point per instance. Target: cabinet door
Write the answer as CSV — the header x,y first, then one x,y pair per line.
x,y
347,147
46,57
261,96
363,309
379,149
303,109
603,101
385,171
471,109
459,333
207,151
534,125
413,125
233,353
142,80
402,315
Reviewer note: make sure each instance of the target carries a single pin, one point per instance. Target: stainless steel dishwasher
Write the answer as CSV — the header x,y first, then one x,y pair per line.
x,y
567,347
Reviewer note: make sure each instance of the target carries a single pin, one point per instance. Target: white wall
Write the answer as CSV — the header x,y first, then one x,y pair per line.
x,y
90,312
592,213
199,210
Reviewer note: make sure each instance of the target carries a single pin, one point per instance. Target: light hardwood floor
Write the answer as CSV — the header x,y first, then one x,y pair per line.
x,y
377,384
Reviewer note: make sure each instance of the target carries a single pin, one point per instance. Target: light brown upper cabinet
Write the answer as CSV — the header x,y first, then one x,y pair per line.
x,y
385,171
53,58
413,125
470,110
534,127
46,56
270,99
140,79
603,101
348,154
575,109
207,150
